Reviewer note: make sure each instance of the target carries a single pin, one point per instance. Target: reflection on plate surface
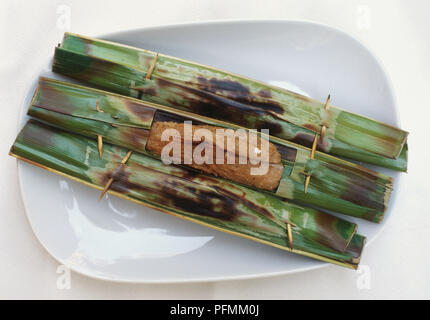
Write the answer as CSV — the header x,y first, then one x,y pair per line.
x,y
104,246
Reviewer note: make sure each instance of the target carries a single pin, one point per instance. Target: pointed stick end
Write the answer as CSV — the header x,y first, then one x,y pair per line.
x,y
308,178
127,156
106,188
327,102
322,134
102,194
100,146
314,146
290,235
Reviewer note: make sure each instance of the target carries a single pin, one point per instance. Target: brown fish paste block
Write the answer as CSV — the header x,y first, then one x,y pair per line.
x,y
239,171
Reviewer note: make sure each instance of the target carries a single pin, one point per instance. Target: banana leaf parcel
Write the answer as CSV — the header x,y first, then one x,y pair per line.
x,y
206,200
232,98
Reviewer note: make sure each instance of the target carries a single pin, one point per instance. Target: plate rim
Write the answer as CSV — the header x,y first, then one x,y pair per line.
x,y
216,278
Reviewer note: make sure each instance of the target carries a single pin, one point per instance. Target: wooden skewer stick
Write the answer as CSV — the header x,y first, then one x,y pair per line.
x,y
109,183
322,133
127,156
307,180
100,146
314,144
326,107
106,188
314,148
290,235
99,137
152,67
327,103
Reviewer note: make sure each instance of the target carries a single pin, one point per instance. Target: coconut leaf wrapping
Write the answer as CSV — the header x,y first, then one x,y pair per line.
x,y
184,193
229,97
335,184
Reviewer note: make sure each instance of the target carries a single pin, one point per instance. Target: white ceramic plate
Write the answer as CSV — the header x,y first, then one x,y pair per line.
x,y
122,241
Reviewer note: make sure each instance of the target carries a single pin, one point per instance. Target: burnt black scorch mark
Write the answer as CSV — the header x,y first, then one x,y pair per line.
x,y
142,112
360,189
218,107
304,139
287,153
265,93
177,193
134,138
240,93
213,85
165,116
242,199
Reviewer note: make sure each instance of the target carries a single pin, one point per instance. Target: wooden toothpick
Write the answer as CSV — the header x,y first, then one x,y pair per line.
x,y
151,67
100,146
109,183
99,137
315,143
314,146
327,103
290,235
106,188
307,180
326,107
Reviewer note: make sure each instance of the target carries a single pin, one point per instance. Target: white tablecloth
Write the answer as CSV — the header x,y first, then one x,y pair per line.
x,y
398,262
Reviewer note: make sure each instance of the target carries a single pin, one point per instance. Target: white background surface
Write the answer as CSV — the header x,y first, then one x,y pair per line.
x,y
398,262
